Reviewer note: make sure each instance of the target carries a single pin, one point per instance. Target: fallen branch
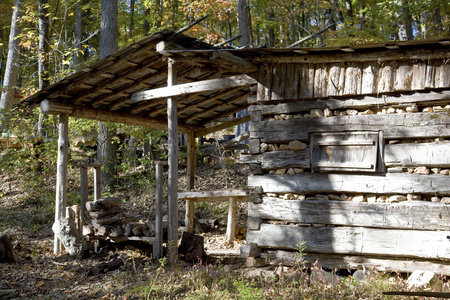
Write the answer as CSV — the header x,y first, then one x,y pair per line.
x,y
311,36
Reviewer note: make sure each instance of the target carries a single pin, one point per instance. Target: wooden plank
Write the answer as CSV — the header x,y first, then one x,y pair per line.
x,y
320,81
336,79
432,155
386,75
61,175
354,240
419,75
403,76
417,125
423,98
267,82
279,159
231,220
291,86
417,215
306,81
430,73
190,181
194,87
172,182
353,76
84,184
443,80
390,183
383,264
380,56
278,80
369,78
213,194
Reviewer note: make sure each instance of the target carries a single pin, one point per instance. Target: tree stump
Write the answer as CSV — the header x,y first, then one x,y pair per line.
x,y
192,248
7,253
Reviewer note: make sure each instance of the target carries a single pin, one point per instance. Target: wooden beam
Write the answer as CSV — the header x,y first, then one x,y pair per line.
x,y
159,182
78,111
414,125
204,195
390,183
432,155
421,215
223,125
355,241
415,54
190,181
365,102
173,165
61,175
194,87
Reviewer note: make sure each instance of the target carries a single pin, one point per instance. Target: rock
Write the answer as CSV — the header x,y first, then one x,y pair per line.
x,y
343,197
298,117
351,112
424,280
301,197
272,147
65,230
447,107
358,198
288,196
435,199
280,171
297,145
290,171
263,147
413,197
435,170
327,112
272,172
371,198
445,172
412,108
410,170
299,170
255,262
396,198
359,275
368,112
260,273
390,110
343,113
319,276
334,197
427,110
272,195
422,170
399,111
249,250
445,200
438,109
283,147
316,113
381,199
306,116
278,118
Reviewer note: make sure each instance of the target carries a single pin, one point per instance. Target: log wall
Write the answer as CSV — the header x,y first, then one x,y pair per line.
x,y
396,214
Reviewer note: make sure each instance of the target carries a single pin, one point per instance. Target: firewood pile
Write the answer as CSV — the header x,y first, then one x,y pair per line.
x,y
108,221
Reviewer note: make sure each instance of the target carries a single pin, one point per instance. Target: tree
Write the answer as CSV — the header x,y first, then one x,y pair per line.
x,y
106,148
78,35
10,78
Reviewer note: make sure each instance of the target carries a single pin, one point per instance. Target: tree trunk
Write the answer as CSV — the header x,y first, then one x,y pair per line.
x,y
146,26
130,33
43,51
106,148
405,24
78,35
243,21
11,70
271,17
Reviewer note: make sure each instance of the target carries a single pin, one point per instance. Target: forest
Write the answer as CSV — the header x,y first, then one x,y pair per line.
x,y
42,42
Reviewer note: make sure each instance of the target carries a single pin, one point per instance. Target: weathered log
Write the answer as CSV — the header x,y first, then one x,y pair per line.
x,y
7,252
66,232
109,266
104,213
103,204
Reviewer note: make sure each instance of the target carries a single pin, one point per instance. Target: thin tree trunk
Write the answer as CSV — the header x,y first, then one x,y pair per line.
x,y
243,21
78,35
43,54
405,24
271,17
106,148
146,25
11,70
130,33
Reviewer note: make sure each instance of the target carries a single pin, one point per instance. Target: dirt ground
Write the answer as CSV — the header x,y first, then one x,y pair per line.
x,y
40,274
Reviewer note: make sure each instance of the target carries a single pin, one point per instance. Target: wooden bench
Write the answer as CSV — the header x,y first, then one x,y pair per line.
x,y
233,196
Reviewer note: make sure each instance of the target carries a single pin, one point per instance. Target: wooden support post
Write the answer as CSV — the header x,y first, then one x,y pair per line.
x,y
231,223
97,182
189,219
84,199
173,166
61,175
157,247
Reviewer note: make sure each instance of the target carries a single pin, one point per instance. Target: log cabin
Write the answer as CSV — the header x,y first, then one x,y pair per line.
x,y
348,145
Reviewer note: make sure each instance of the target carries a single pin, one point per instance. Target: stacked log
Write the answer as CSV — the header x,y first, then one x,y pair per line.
x,y
107,219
